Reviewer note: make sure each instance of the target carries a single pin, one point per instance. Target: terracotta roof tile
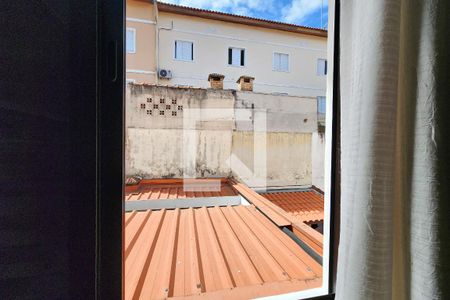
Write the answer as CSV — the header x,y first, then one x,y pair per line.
x,y
306,206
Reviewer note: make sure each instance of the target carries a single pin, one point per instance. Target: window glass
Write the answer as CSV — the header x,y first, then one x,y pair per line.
x,y
321,105
184,50
281,62
217,144
321,67
236,57
131,40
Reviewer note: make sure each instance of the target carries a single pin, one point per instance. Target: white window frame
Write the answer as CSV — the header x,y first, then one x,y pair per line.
x,y
175,50
321,72
245,57
133,30
288,62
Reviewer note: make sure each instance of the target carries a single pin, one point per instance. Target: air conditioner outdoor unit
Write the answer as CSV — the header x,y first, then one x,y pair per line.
x,y
163,73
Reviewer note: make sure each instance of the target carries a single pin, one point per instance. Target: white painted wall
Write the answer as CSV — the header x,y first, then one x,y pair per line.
x,y
211,42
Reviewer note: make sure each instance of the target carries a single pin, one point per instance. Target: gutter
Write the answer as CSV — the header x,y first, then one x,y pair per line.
x,y
303,245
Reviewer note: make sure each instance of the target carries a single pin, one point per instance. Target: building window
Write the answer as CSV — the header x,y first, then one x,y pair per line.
x,y
236,57
321,105
281,62
184,50
321,67
131,40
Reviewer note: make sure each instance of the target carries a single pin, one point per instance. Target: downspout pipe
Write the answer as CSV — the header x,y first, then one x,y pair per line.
x,y
155,8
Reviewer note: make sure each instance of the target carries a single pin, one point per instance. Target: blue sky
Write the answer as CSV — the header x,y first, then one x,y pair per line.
x,y
300,12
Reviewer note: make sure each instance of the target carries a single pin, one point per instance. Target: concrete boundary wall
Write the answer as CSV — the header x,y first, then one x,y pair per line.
x,y
155,143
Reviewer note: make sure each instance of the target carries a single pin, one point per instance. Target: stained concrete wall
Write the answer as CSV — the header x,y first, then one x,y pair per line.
x,y
317,159
283,113
144,104
156,145
288,159
156,153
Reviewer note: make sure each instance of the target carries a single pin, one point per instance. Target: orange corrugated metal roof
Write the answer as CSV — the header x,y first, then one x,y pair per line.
x,y
307,206
175,188
218,252
280,217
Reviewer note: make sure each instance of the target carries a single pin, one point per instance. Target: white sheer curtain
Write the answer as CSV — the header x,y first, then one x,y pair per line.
x,y
395,95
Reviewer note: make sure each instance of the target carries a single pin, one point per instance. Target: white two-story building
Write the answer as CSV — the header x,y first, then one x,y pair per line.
x,y
180,46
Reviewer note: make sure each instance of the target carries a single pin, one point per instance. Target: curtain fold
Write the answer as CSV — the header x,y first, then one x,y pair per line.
x,y
395,150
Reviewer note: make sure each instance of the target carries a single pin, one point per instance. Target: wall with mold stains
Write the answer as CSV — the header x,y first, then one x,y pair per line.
x,y
317,159
158,153
223,142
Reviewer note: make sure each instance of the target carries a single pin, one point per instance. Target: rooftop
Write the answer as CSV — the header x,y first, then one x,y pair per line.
x,y
178,189
306,206
218,250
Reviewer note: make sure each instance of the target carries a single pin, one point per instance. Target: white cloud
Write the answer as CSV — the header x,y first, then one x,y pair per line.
x,y
240,7
294,11
298,10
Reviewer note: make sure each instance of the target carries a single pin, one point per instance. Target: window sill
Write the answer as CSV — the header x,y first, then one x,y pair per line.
x,y
184,60
281,71
234,66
